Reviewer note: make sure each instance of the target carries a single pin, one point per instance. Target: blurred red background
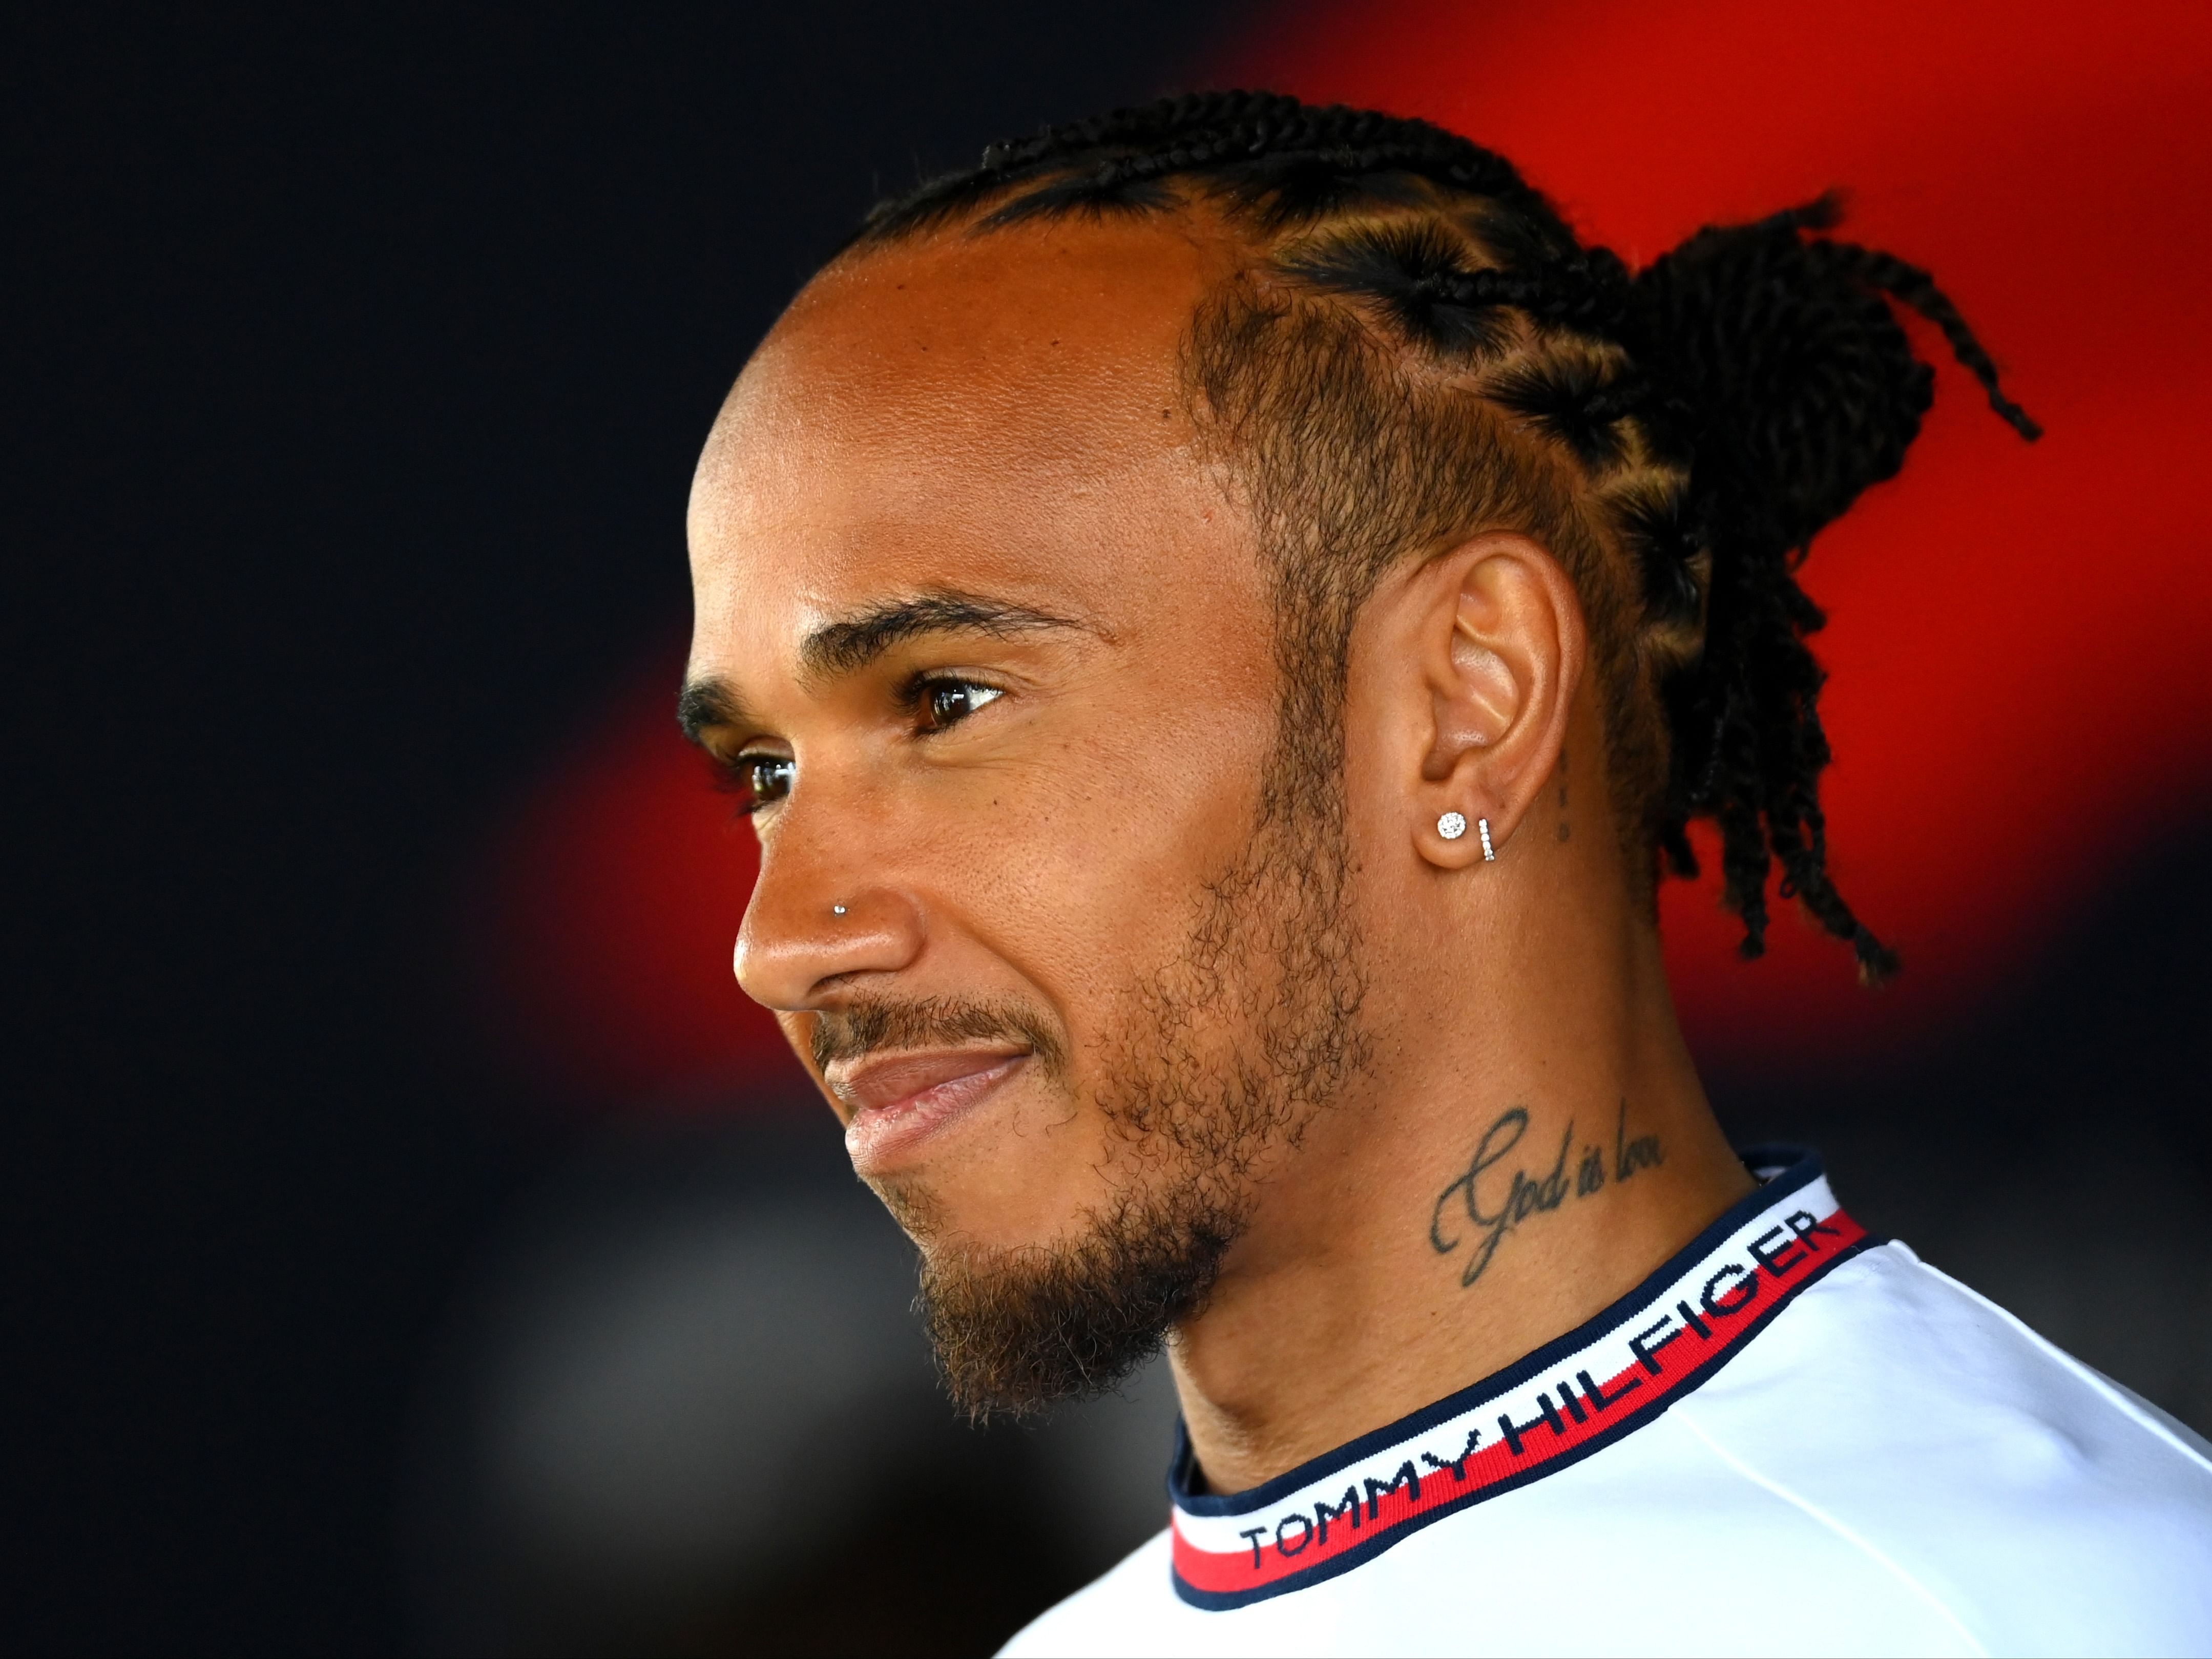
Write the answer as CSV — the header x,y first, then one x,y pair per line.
x,y
2020,698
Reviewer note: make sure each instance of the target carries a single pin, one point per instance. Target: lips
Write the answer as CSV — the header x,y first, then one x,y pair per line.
x,y
900,1100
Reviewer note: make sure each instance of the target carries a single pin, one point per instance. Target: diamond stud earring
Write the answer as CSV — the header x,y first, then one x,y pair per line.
x,y
1451,826
1489,854
836,909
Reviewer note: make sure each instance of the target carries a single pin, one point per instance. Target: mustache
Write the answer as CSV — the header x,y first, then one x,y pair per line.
x,y
863,1028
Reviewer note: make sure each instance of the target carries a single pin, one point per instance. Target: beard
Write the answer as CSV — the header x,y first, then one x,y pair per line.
x,y
1214,1064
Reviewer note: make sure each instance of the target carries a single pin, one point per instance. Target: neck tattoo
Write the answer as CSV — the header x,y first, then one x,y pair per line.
x,y
1487,1202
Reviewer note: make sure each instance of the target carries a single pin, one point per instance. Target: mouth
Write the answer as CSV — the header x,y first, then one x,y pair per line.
x,y
900,1100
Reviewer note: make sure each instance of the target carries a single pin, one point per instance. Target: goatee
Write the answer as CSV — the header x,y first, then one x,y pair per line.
x,y
1014,1333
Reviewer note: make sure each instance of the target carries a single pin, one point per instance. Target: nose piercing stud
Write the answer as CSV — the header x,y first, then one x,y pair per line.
x,y
836,909
1489,856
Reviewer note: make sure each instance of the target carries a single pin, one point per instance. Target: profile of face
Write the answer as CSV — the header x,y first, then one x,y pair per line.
x,y
1053,900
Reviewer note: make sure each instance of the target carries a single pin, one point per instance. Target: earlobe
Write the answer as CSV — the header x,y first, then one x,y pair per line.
x,y
1452,825
1449,844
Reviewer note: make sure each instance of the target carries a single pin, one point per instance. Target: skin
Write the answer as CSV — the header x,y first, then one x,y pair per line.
x,y
999,416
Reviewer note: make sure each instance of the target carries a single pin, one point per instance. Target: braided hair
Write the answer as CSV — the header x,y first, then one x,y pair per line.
x,y
1421,347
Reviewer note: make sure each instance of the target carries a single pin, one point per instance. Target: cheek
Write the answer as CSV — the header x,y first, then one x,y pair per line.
x,y
1088,881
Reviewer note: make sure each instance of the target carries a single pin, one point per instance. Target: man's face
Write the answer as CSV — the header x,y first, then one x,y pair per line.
x,y
992,641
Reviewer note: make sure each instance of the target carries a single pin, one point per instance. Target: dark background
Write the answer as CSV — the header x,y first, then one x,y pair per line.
x,y
356,364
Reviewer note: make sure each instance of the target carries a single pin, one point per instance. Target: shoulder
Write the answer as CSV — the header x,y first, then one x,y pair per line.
x,y
1948,1371
1126,1611
2035,1501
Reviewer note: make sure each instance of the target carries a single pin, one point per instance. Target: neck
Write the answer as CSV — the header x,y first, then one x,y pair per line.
x,y
1498,1185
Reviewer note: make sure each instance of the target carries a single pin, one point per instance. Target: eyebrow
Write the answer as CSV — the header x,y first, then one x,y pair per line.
x,y
701,705
851,643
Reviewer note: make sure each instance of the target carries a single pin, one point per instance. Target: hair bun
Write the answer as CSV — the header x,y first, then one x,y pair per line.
x,y
1785,379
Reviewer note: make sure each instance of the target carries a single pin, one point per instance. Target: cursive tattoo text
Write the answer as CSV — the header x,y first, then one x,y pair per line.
x,y
1486,1203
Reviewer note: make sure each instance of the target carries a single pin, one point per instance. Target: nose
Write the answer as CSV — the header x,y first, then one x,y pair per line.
x,y
817,921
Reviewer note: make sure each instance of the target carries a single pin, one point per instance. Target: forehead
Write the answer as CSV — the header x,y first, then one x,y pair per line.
x,y
997,412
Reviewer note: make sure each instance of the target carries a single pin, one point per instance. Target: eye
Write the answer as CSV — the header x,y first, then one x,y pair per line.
x,y
948,702
759,781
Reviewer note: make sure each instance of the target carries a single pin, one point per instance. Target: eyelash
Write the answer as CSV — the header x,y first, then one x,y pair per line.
x,y
917,697
742,778
919,693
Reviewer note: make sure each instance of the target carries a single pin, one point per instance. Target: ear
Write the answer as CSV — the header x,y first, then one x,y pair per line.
x,y
1490,646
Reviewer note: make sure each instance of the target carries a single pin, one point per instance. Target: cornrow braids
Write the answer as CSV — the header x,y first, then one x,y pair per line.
x,y
1421,347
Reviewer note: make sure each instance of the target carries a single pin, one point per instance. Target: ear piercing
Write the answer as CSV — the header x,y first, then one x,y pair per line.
x,y
836,909
1453,825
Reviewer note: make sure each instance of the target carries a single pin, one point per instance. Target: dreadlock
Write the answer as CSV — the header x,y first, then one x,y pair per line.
x,y
1421,346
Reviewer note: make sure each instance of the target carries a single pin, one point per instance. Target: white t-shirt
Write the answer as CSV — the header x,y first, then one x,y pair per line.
x,y
1792,1438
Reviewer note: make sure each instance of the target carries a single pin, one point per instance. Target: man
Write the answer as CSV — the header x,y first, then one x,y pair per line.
x,y
1218,614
